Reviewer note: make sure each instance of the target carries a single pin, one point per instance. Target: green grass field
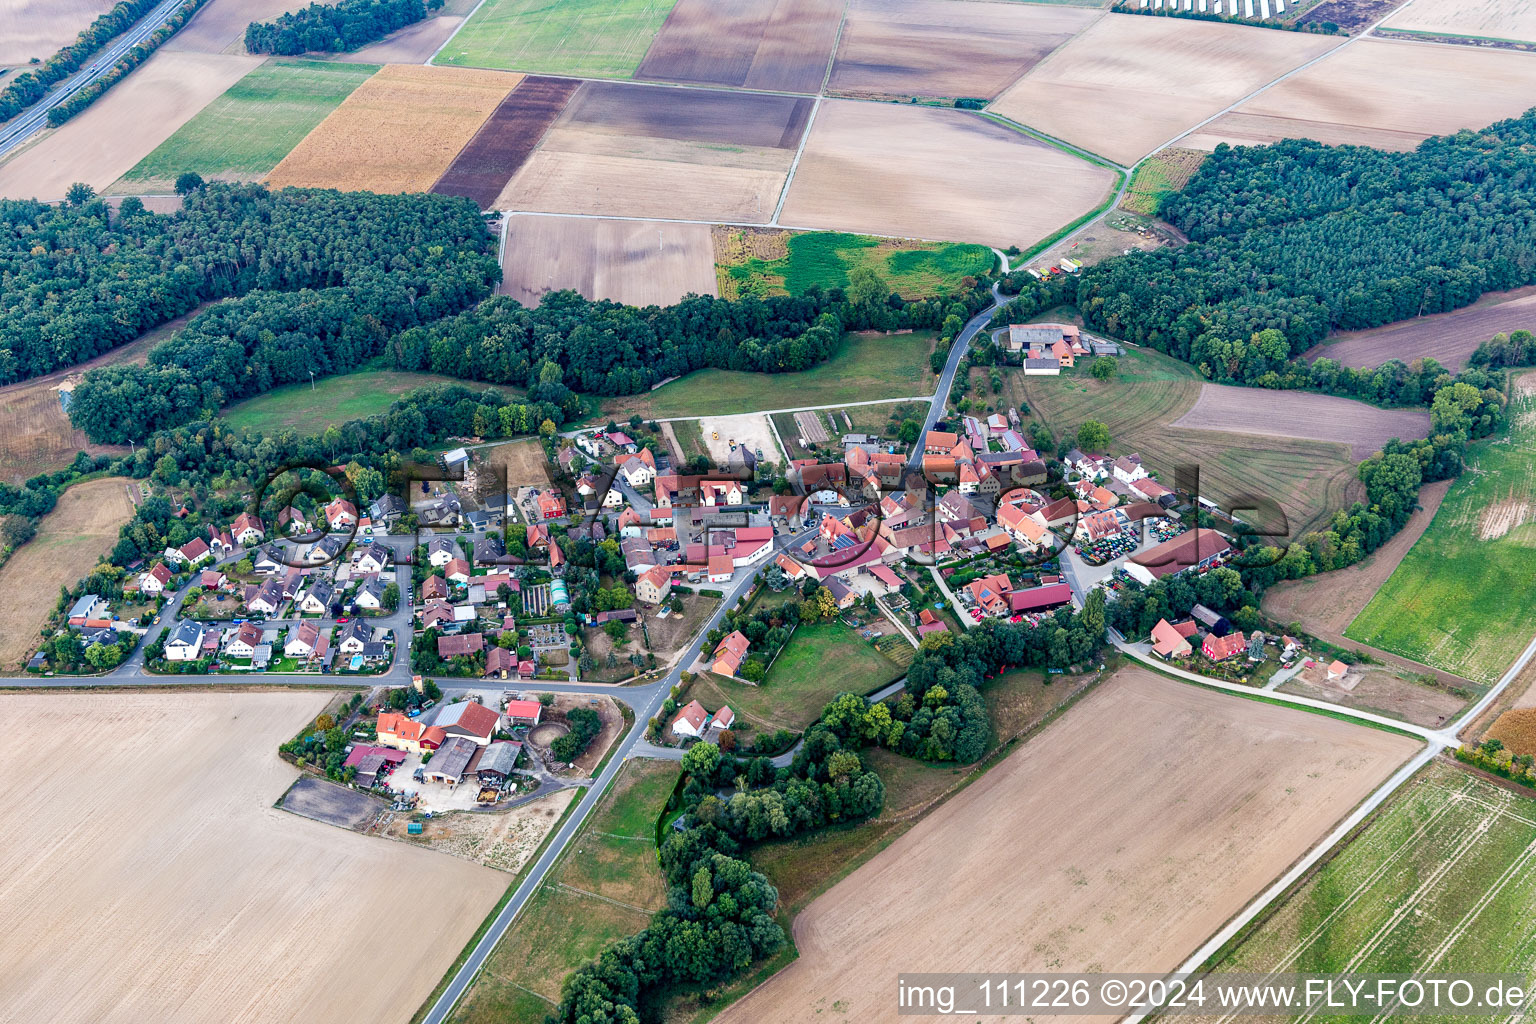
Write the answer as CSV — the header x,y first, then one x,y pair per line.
x,y
605,887
865,368
1440,880
247,131
601,38
1159,176
332,401
913,269
1459,599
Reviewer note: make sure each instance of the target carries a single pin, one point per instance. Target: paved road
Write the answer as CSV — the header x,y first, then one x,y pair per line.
x,y
951,367
35,118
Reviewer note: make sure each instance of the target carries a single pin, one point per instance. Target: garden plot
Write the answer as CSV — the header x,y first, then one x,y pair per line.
x,y
946,48
754,44
1129,84
848,181
638,263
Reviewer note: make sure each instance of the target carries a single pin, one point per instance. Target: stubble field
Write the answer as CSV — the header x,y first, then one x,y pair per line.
x,y
397,132
1125,869
779,45
847,179
946,48
1129,84
70,540
1297,414
173,891
1384,93
37,28
1485,19
639,263
101,144
1448,338
506,140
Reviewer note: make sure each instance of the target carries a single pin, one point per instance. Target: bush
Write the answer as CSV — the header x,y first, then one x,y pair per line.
x,y
585,725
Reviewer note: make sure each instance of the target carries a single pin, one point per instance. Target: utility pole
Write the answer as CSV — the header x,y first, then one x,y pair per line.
x,y
311,380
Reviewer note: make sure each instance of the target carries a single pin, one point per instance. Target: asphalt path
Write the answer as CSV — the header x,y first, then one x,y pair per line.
x,y
957,352
35,118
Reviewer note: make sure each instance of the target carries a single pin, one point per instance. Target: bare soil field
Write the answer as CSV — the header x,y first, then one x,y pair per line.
x,y
946,48
70,540
1126,869
413,44
1448,338
220,26
1484,19
1385,93
114,133
644,151
38,28
506,140
1365,428
778,45
498,839
639,263
751,430
1388,690
522,463
847,179
174,891
1128,84
398,131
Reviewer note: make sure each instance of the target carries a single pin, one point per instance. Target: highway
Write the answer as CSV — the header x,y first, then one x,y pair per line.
x,y
35,118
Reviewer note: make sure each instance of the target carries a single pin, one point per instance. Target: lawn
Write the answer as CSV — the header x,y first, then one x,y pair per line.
x,y
866,367
564,925
601,38
819,662
752,262
1439,880
1451,602
331,401
247,131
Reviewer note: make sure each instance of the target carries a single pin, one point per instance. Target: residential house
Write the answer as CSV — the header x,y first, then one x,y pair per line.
x,y
91,606
654,585
990,593
370,596
1169,641
301,641
473,721
457,571
402,733
247,529
1128,469
341,514
266,599
434,586
719,722
195,552
292,522
375,558
185,642
928,622
244,641
462,644
354,636
1220,648
155,580
638,469
317,597
220,543
720,568
387,508
842,594
441,551
692,720
266,562
550,504
500,663
730,652
1023,524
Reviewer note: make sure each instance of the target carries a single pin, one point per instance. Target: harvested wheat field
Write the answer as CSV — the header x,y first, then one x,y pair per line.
x,y
70,541
1299,414
1129,84
1513,20
37,28
1384,93
1196,801
172,890
1516,729
947,48
780,45
646,151
398,131
848,181
220,26
506,140
1447,338
636,262
117,131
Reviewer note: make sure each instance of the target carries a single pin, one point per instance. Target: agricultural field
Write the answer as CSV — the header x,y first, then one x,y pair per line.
x,y
414,44
1161,175
1298,414
330,401
1124,866
847,181
1437,880
220,26
1129,84
763,261
774,45
596,38
245,133
506,140
1384,93
819,662
397,132
946,48
639,263
1475,20
37,28
868,366
1309,479
1448,602
70,540
1448,338
606,887
104,142
271,913
627,150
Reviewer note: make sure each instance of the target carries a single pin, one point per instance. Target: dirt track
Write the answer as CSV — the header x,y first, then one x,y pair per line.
x,y
1116,840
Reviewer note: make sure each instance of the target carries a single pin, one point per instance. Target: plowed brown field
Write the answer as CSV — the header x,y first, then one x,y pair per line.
x,y
506,140
36,28
1042,865
1365,428
754,44
636,262
1448,338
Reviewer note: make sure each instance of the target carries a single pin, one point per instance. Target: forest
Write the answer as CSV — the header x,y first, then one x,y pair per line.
x,y
334,28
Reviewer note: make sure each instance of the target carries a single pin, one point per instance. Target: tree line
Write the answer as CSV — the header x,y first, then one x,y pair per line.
x,y
334,28
135,56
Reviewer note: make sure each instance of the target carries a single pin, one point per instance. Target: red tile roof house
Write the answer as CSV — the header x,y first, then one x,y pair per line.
x,y
524,712
402,733
340,513
730,652
692,720
1168,641
454,646
247,529
927,622
1220,648
468,719
991,593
